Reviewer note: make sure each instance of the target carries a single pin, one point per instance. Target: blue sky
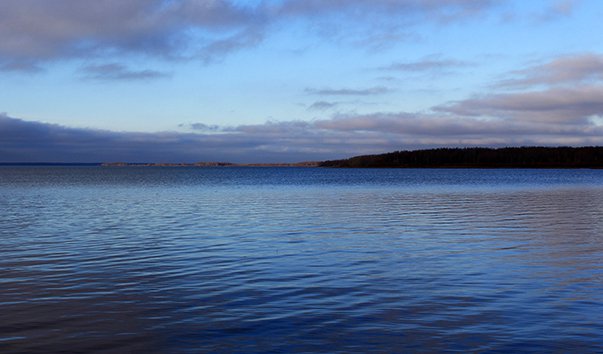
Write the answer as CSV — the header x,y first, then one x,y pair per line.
x,y
289,80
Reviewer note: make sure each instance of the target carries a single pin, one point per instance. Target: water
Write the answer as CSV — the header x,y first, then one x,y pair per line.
x,y
178,260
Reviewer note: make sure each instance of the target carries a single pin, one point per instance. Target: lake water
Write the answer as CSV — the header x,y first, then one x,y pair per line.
x,y
179,260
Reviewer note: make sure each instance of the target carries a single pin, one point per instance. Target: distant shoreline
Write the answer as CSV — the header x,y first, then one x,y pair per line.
x,y
161,164
590,157
50,164
211,164
444,167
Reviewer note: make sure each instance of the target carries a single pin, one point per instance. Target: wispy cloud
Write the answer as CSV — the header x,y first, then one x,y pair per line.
x,y
378,24
558,9
565,70
33,141
556,105
36,31
442,11
201,127
428,64
33,32
116,71
23,66
511,122
446,129
370,91
322,105
221,47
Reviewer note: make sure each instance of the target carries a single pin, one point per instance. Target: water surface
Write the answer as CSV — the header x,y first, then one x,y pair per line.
x,y
147,259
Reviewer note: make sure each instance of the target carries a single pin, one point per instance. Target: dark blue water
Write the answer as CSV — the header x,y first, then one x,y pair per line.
x,y
177,260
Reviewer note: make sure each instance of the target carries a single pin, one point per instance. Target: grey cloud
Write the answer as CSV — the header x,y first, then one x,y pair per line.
x,y
116,71
287,141
40,30
433,130
559,105
202,127
274,128
386,78
564,7
27,141
32,141
433,10
221,47
380,37
569,70
444,127
322,105
20,66
371,91
378,23
428,64
36,31
559,9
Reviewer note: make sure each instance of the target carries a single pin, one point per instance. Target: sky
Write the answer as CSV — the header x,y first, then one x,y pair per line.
x,y
294,80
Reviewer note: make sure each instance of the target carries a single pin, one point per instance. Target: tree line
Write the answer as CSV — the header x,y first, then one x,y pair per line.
x,y
508,157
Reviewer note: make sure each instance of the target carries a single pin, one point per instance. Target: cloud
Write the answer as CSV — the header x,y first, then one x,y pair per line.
x,y
116,71
288,141
442,127
322,105
201,127
20,66
378,24
442,11
28,141
429,64
559,9
558,105
566,70
34,32
222,47
370,91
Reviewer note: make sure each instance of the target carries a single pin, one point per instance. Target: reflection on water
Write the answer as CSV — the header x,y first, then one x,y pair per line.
x,y
291,260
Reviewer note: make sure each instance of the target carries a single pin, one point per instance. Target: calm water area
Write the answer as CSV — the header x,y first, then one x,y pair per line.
x,y
283,260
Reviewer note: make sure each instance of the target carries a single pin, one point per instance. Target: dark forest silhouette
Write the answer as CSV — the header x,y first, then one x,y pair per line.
x,y
509,157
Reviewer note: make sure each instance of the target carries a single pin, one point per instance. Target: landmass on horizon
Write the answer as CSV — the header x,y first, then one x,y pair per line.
x,y
473,157
468,157
212,164
508,157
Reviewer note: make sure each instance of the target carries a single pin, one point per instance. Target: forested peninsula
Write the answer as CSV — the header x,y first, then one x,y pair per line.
x,y
508,157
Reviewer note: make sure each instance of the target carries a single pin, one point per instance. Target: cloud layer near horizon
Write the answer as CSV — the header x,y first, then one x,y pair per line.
x,y
546,112
338,137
